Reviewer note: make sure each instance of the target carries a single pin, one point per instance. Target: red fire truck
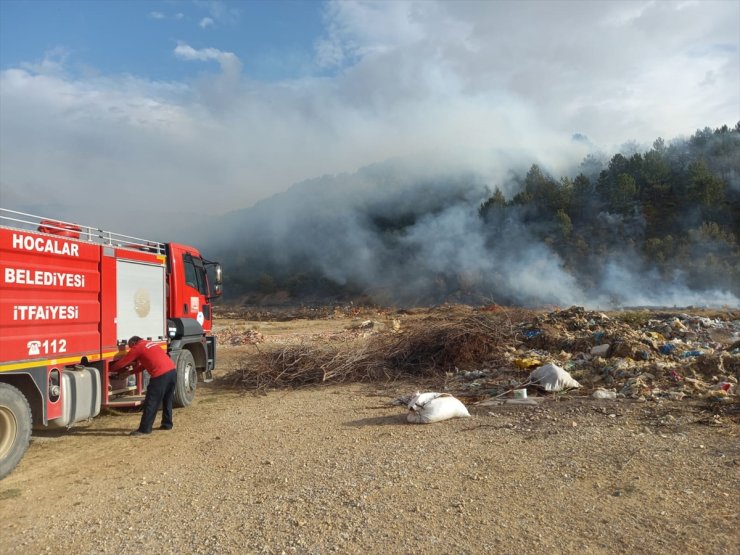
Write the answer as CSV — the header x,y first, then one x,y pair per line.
x,y
70,296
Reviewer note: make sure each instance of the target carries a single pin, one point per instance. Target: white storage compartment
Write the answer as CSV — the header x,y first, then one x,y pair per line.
x,y
80,397
141,307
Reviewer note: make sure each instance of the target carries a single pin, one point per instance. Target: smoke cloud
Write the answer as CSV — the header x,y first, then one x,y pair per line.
x,y
401,236
460,96
471,82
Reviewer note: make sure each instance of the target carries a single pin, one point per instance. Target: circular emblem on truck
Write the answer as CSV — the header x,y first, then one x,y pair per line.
x,y
142,304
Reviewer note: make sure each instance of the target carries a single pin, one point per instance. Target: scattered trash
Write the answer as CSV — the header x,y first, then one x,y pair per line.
x,y
552,377
494,401
520,394
426,408
645,355
527,362
674,395
602,393
236,336
474,374
642,356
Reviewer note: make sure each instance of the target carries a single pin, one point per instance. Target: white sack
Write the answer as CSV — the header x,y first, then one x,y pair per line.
x,y
425,408
551,377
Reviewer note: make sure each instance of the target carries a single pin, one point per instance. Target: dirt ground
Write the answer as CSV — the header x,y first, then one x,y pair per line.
x,y
338,469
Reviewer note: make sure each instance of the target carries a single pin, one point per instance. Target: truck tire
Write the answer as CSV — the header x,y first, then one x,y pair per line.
x,y
15,427
187,379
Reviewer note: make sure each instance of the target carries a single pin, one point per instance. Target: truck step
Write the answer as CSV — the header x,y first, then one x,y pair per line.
x,y
127,401
122,390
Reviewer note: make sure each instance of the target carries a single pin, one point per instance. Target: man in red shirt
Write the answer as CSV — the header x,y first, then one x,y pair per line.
x,y
149,356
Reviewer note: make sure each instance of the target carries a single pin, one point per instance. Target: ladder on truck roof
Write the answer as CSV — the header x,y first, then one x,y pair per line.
x,y
39,224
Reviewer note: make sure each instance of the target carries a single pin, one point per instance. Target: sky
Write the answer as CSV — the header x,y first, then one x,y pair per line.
x,y
135,114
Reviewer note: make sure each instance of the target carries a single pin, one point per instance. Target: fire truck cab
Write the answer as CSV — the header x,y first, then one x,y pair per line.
x,y
70,297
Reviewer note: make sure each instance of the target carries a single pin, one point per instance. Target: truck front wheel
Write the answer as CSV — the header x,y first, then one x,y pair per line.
x,y
15,427
187,379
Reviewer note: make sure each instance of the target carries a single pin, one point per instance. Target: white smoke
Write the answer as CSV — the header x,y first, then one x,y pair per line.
x,y
416,238
472,82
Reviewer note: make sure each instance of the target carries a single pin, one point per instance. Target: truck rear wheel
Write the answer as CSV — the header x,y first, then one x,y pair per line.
x,y
15,427
187,379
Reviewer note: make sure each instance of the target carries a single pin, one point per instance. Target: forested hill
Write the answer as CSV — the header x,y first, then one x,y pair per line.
x,y
658,227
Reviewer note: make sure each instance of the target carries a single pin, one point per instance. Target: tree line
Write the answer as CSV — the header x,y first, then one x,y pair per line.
x,y
676,208
669,214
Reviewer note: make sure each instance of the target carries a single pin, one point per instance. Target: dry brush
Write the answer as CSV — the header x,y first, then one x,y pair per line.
x,y
424,348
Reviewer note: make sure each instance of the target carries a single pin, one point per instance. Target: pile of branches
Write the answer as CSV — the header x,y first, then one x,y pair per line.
x,y
425,348
433,345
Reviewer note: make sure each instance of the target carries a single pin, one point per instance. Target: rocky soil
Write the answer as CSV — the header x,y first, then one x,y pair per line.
x,y
336,468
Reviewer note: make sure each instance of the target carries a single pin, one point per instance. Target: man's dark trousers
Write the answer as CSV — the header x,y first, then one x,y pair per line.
x,y
160,391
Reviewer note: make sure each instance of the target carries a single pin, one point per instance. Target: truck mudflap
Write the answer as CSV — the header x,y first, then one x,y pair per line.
x,y
211,358
186,334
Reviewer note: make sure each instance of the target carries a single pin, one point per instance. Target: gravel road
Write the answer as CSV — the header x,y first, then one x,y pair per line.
x,y
336,469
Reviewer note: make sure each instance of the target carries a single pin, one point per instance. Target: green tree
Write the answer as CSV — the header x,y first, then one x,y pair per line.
x,y
564,223
583,196
622,195
495,203
544,191
566,192
704,187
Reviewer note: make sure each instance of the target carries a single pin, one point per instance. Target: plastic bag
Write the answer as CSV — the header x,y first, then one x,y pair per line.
x,y
552,377
426,408
602,393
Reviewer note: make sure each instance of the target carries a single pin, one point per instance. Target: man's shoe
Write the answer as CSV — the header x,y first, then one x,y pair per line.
x,y
165,427
137,433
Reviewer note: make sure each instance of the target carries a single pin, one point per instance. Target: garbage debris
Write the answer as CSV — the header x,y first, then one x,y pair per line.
x,y
600,350
236,336
552,377
602,393
527,362
641,354
426,408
